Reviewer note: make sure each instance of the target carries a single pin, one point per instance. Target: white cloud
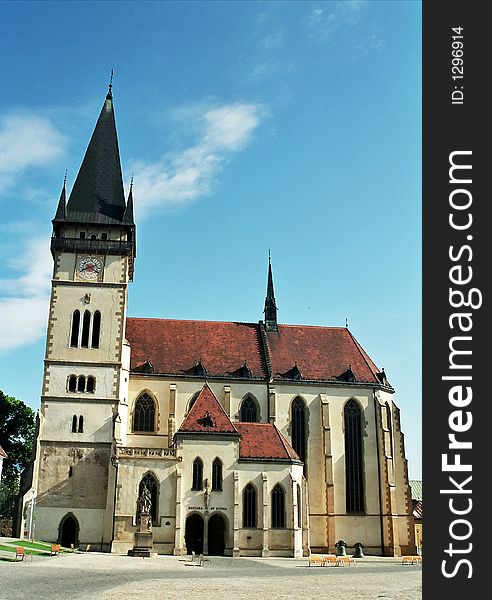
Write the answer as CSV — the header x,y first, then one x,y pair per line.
x,y
323,23
24,299
185,175
26,141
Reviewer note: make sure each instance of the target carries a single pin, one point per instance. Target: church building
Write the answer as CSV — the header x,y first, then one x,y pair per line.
x,y
253,439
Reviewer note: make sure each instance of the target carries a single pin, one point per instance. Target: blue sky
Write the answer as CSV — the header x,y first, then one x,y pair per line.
x,y
248,126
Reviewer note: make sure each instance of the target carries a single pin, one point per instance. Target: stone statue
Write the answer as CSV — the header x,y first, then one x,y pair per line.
x,y
144,502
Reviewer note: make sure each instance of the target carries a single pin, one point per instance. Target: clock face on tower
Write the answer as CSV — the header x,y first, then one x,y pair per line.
x,y
89,268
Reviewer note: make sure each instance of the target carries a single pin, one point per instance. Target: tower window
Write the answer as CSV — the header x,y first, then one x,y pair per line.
x,y
278,506
81,384
91,384
217,475
81,424
249,506
72,383
354,479
74,337
74,424
87,330
96,329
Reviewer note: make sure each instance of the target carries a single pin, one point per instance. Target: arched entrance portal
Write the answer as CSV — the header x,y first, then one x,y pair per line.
x,y
68,532
216,535
194,534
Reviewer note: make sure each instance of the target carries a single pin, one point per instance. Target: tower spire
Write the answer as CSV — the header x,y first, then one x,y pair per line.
x,y
270,302
97,195
61,210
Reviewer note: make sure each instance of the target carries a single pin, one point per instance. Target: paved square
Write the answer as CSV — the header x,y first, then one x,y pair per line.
x,y
98,576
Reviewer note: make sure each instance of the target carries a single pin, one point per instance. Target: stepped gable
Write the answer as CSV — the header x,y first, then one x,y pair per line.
x,y
320,353
177,346
207,416
263,441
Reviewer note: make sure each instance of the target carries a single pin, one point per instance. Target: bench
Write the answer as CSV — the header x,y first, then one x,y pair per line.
x,y
19,553
411,560
343,561
316,560
329,560
55,549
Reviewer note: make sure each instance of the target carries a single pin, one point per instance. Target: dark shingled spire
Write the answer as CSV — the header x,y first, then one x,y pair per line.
x,y
97,195
270,303
61,211
128,217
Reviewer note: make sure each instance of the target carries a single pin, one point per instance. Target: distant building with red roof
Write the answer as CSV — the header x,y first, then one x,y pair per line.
x,y
251,439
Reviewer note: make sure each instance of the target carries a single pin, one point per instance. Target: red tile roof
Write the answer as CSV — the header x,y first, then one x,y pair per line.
x,y
320,353
264,441
175,347
184,347
207,415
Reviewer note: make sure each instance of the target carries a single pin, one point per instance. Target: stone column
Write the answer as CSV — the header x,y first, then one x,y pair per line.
x,y
272,404
235,516
227,400
171,424
265,552
179,548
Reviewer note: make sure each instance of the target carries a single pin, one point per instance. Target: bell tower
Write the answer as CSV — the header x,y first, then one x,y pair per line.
x,y
84,381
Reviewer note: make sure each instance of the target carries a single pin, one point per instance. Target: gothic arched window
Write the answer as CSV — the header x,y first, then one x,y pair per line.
x,y
149,481
144,414
72,383
81,384
249,411
299,428
249,506
96,329
91,384
74,424
217,475
197,474
81,424
278,506
74,336
354,475
86,324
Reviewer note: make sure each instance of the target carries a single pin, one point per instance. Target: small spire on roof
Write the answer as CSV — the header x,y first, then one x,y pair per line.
x,y
270,309
110,92
65,178
346,322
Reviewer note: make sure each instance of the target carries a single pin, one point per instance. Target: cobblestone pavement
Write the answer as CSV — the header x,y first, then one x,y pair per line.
x,y
98,576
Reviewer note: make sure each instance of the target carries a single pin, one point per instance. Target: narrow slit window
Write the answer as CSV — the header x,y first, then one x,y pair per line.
x,y
217,475
81,424
74,424
96,329
74,337
197,474
86,324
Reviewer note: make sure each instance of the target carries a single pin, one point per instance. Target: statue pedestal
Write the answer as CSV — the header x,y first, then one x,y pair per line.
x,y
143,546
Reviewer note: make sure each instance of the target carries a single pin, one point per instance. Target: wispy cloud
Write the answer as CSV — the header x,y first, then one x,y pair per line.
x,y
182,176
324,21
26,141
24,298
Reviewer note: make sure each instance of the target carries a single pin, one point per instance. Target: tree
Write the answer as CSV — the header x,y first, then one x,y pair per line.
x,y
17,429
